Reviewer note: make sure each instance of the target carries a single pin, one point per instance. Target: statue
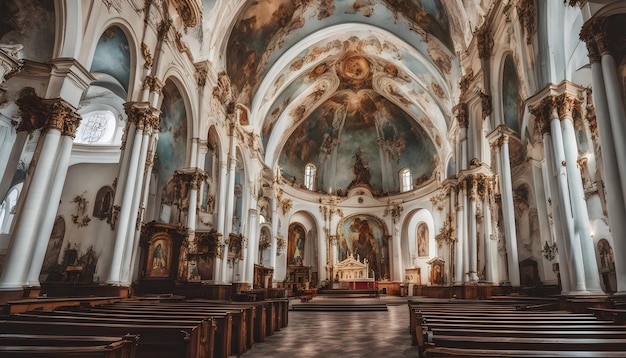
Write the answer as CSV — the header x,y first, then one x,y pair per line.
x,y
361,170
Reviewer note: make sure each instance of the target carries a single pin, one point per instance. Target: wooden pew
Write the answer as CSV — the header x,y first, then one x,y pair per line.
x,y
28,345
475,329
258,312
618,316
49,304
232,323
158,340
219,341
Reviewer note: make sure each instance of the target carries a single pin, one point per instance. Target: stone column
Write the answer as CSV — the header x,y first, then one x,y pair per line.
x,y
253,245
465,227
508,212
460,236
577,194
230,199
491,252
472,240
615,200
562,224
36,192
51,206
274,243
137,113
221,212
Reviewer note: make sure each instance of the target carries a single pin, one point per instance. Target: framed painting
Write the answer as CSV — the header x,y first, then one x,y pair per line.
x,y
160,257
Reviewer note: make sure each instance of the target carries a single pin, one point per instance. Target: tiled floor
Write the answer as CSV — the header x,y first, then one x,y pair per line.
x,y
342,334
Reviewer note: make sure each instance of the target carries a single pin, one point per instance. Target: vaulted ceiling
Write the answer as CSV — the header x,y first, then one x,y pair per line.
x,y
326,79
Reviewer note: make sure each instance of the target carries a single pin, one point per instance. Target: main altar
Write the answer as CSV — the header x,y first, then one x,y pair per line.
x,y
353,274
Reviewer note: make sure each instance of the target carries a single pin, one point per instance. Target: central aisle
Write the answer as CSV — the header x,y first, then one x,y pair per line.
x,y
342,334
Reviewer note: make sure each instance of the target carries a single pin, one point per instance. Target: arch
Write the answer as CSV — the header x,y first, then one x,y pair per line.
x,y
409,241
366,237
103,206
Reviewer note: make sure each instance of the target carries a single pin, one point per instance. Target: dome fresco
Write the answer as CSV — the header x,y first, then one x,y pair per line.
x,y
337,83
358,125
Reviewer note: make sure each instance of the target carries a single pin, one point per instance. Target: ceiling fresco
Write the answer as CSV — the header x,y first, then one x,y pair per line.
x,y
358,125
339,83
267,28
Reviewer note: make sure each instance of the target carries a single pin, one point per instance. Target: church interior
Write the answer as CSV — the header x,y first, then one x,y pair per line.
x,y
287,151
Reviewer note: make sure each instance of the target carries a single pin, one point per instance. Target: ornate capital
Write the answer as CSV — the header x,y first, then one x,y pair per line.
x,y
465,82
566,105
527,13
144,116
485,103
461,114
163,29
484,40
153,84
147,56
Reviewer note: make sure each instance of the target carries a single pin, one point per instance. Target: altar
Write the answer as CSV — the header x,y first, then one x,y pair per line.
x,y
353,274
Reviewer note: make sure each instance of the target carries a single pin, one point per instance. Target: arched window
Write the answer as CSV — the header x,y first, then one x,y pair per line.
x,y
309,176
7,209
405,180
97,127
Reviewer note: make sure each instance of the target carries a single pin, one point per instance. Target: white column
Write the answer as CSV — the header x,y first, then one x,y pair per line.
x,y
562,225
230,202
491,252
617,116
542,211
31,202
466,233
137,185
253,245
221,212
322,263
614,201
51,208
471,238
134,262
121,227
575,261
273,247
509,213
460,237
579,205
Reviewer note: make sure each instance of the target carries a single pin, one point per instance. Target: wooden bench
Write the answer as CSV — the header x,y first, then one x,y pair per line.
x,y
50,304
618,316
476,329
28,345
231,332
158,340
221,339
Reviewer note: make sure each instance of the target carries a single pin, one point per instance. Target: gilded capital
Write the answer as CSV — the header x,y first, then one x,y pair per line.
x,y
527,14
566,105
461,114
484,41
61,116
143,115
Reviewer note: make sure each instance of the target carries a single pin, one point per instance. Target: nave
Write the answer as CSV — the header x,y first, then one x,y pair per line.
x,y
342,334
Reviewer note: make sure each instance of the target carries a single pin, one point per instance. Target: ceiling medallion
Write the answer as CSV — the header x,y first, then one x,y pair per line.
x,y
355,68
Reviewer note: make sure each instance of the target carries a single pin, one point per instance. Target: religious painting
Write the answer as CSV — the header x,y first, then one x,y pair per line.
x,y
172,145
160,257
422,240
362,236
104,203
295,245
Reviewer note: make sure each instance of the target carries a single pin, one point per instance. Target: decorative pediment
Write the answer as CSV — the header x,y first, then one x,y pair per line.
x,y
350,264
436,261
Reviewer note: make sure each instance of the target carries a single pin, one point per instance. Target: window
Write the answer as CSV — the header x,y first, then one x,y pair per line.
x,y
96,128
405,180
7,209
309,176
